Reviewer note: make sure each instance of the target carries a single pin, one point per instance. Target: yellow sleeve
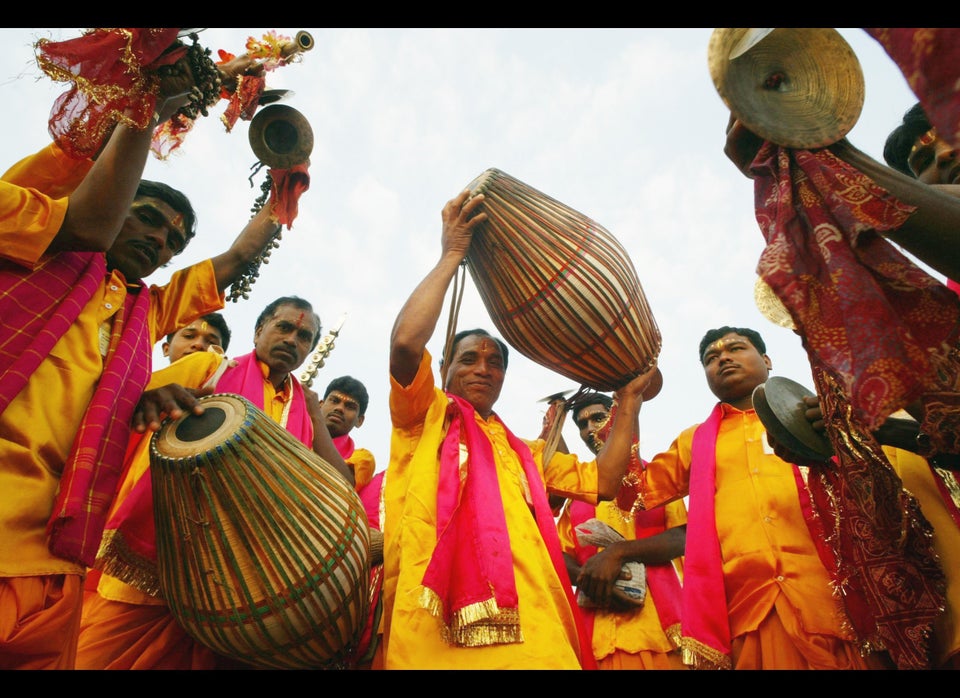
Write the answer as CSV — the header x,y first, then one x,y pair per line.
x,y
364,466
409,404
33,202
190,371
565,530
190,293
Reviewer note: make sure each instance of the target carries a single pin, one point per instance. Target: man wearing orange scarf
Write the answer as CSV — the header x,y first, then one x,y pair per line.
x,y
473,572
127,624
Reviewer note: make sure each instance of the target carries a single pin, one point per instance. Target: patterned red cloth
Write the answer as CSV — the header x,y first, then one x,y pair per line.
x,y
880,333
108,69
883,326
890,578
929,59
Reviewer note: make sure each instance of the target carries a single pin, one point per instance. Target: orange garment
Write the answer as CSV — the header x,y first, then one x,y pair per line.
x,y
123,627
634,639
770,563
39,424
921,481
411,634
33,202
39,620
139,636
364,466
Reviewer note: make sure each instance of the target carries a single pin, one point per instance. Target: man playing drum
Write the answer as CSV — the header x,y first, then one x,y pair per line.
x,y
127,624
473,571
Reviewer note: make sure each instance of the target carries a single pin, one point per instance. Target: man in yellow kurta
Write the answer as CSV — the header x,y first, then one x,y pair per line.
x,y
626,635
473,572
344,407
757,594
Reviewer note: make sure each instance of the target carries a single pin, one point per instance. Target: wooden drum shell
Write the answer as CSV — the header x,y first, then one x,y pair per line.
x,y
264,549
559,287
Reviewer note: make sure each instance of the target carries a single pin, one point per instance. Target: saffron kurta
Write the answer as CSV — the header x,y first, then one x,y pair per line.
x,y
770,562
411,634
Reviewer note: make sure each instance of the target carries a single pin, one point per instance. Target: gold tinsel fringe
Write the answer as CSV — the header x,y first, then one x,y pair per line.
x,y
116,559
477,625
697,655
673,634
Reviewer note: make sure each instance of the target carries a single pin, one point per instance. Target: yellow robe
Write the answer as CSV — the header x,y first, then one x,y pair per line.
x,y
411,634
39,424
364,467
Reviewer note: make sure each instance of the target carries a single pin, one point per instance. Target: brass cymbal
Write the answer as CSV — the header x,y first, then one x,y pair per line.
x,y
796,87
779,405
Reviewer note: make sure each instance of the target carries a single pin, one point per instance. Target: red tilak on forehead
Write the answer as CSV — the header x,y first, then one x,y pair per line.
x,y
484,346
300,320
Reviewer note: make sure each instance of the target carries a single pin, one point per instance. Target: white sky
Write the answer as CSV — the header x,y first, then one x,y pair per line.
x,y
623,125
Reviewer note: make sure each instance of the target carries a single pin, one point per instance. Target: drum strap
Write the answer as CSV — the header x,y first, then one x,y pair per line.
x,y
459,282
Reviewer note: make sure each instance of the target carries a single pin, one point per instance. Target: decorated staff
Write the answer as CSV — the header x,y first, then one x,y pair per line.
x,y
321,353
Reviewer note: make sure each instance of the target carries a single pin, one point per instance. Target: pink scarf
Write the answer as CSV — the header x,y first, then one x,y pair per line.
x,y
246,379
705,624
37,309
469,582
344,445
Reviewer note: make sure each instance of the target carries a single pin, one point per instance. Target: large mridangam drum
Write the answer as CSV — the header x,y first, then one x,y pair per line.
x,y
263,547
560,287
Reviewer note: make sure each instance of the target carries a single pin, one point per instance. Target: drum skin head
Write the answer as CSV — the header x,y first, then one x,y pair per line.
x,y
779,404
192,433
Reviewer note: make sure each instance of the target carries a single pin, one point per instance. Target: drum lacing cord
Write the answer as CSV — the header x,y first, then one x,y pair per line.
x,y
459,283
